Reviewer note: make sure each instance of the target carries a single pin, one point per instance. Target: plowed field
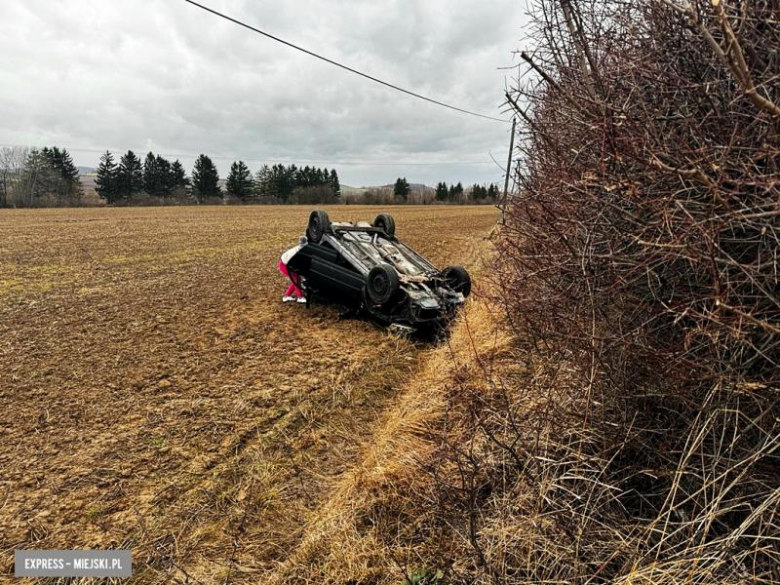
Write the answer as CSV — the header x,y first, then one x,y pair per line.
x,y
156,395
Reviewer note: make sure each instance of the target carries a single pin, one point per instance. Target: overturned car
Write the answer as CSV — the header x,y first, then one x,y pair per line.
x,y
365,267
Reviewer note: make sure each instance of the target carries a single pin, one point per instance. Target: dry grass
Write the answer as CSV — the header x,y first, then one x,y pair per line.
x,y
156,395
380,523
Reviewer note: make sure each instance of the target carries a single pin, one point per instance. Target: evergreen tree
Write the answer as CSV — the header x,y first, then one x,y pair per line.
x,y
239,181
107,178
260,184
271,183
70,174
492,193
401,189
158,176
335,184
48,180
478,193
458,191
178,175
441,192
455,192
66,185
151,175
301,178
205,179
281,182
289,178
165,182
49,154
130,178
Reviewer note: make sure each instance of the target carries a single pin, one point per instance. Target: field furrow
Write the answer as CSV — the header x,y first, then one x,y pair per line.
x,y
155,393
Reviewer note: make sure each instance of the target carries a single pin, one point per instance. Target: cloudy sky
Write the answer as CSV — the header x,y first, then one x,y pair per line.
x,y
162,75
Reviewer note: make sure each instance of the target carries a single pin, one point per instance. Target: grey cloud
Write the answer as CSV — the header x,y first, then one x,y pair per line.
x,y
91,74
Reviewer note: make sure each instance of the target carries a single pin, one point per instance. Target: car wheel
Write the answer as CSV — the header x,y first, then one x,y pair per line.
x,y
382,284
386,223
458,279
319,224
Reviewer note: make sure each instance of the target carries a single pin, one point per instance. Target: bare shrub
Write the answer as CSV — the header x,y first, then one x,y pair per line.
x,y
639,269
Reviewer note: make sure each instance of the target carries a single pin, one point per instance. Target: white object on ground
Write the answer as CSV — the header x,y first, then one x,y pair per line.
x,y
289,299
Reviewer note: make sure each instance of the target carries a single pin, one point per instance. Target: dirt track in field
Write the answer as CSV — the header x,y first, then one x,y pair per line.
x,y
156,395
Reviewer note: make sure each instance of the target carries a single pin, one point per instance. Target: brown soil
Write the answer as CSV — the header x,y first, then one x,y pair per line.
x,y
156,395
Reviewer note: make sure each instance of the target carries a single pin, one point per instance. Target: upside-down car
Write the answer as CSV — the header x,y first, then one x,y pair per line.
x,y
366,267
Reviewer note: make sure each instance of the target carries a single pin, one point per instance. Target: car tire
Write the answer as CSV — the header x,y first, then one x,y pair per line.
x,y
382,284
386,223
458,279
319,225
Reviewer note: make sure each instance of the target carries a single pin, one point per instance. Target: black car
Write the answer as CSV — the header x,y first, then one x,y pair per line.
x,y
365,267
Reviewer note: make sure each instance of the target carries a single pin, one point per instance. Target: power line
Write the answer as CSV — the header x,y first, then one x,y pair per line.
x,y
280,160
342,66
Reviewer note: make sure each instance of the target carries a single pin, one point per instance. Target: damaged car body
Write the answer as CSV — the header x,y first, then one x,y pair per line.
x,y
365,267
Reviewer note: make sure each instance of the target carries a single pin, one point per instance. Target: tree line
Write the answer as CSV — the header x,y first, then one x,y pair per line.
x,y
477,193
403,193
157,177
48,177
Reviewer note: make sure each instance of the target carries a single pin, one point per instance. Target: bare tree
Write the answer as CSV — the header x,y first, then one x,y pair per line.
x,y
12,160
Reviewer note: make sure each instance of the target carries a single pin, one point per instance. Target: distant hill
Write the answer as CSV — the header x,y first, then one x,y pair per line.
x,y
346,189
86,170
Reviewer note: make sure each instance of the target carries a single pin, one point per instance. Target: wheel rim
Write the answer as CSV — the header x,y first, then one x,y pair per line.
x,y
379,285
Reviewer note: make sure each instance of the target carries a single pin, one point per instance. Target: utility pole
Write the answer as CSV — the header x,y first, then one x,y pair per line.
x,y
508,170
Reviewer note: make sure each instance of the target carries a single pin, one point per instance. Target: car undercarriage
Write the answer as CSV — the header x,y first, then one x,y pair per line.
x,y
365,268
